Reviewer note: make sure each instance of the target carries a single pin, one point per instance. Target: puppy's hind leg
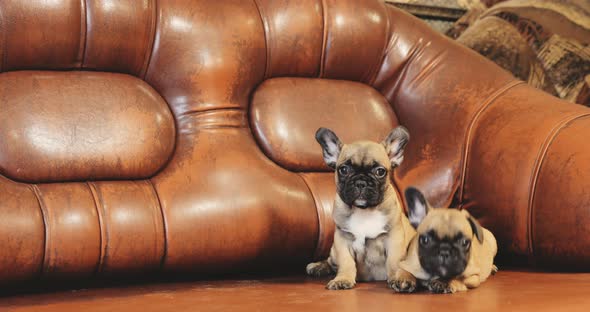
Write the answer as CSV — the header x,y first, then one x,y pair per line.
x,y
324,267
472,281
494,270
319,269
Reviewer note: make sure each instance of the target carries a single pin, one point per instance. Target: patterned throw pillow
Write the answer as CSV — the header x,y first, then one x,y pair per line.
x,y
543,42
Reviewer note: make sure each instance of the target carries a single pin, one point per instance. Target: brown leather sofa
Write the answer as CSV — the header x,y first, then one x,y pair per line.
x,y
144,138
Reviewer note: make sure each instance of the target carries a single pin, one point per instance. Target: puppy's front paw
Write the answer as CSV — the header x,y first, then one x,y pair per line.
x,y
402,285
439,287
318,269
339,284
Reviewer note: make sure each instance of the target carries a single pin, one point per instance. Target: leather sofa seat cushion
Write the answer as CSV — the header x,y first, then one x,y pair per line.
x,y
67,126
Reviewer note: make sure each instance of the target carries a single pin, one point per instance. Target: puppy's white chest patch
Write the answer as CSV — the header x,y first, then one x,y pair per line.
x,y
365,224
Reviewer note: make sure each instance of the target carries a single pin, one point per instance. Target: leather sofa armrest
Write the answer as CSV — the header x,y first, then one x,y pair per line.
x,y
482,140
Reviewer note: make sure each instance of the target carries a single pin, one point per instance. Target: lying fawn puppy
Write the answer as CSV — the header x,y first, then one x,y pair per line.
x,y
451,251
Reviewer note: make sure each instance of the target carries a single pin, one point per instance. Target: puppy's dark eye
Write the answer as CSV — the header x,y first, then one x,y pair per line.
x,y
424,240
343,170
380,172
465,242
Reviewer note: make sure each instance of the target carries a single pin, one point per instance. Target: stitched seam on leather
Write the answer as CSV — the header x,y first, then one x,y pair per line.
x,y
537,169
101,226
266,29
197,113
321,216
43,209
83,32
209,110
386,47
152,43
467,142
164,223
324,39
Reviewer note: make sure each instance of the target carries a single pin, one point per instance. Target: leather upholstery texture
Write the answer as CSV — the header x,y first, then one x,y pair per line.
x,y
177,136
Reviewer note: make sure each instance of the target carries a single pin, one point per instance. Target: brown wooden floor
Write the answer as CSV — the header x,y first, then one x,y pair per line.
x,y
508,291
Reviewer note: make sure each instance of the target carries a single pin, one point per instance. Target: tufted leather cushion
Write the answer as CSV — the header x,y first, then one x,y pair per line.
x,y
57,127
285,112
195,176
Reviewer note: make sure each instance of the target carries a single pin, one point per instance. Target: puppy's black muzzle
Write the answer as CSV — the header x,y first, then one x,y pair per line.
x,y
361,191
443,261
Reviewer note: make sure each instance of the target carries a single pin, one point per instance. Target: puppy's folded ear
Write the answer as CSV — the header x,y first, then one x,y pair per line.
x,y
418,206
395,143
475,227
331,146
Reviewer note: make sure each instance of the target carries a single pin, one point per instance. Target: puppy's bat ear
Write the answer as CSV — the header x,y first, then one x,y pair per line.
x,y
476,228
331,146
395,143
418,206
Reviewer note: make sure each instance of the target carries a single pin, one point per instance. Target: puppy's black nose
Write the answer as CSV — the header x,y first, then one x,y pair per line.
x,y
360,184
445,251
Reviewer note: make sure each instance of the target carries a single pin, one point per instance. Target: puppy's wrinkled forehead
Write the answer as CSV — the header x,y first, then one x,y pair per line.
x,y
364,154
445,223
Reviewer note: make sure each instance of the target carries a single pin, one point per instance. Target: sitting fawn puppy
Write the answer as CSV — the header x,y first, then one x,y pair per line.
x,y
451,252
372,231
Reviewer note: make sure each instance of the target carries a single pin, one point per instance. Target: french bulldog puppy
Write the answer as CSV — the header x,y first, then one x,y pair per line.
x,y
451,251
372,231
